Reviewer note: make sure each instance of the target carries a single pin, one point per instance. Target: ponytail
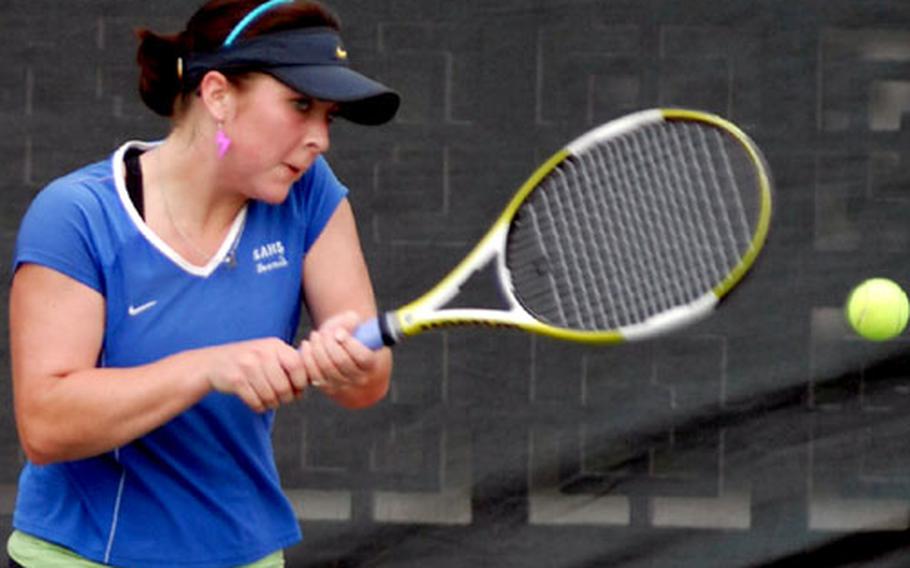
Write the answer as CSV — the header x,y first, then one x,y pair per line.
x,y
160,83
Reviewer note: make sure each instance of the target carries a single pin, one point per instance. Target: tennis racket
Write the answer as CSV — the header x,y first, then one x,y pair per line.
x,y
636,228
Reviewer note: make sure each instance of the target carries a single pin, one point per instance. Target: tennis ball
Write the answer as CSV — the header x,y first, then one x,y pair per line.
x,y
877,309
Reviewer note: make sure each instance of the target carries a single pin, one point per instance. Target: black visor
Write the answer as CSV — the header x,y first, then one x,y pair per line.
x,y
313,62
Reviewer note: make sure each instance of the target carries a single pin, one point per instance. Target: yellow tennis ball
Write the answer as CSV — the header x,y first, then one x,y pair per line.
x,y
878,309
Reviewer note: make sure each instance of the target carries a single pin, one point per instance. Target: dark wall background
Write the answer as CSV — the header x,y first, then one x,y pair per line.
x,y
768,435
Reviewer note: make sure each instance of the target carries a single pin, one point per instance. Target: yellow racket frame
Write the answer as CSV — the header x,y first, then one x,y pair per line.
x,y
423,314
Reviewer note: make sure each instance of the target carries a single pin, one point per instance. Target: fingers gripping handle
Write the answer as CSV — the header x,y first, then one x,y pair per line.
x,y
374,333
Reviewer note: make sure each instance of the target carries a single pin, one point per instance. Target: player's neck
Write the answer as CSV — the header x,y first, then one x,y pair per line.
x,y
188,179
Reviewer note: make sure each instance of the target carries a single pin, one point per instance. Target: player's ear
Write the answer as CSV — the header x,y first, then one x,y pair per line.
x,y
217,94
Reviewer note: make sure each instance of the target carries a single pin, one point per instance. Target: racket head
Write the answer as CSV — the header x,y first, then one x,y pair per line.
x,y
639,227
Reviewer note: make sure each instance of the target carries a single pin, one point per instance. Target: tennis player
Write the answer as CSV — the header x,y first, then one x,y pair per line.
x,y
156,293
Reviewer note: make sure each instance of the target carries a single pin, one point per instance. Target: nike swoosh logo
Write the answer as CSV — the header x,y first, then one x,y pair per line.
x,y
136,310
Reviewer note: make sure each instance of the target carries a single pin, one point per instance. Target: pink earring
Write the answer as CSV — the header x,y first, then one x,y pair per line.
x,y
222,140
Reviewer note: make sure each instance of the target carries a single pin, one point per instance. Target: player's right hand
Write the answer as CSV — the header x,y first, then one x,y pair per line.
x,y
264,373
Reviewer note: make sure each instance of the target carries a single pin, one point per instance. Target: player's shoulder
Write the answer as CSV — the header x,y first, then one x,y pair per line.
x,y
87,187
318,182
318,174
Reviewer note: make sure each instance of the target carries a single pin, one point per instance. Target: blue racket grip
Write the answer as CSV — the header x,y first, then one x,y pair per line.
x,y
370,334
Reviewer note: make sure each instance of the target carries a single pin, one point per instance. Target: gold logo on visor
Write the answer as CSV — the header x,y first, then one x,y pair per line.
x,y
340,53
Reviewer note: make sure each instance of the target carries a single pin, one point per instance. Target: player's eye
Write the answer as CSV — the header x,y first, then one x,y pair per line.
x,y
303,104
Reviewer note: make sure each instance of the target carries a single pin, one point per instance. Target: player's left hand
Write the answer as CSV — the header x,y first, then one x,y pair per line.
x,y
335,361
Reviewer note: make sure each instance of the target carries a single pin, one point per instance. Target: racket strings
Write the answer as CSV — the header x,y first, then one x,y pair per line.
x,y
693,214
730,234
609,239
633,227
566,219
704,179
568,262
675,236
633,267
650,231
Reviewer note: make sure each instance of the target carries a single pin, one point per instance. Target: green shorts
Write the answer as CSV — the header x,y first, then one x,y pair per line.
x,y
30,551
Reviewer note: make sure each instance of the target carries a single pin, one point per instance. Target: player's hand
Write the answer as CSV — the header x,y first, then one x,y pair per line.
x,y
264,373
334,359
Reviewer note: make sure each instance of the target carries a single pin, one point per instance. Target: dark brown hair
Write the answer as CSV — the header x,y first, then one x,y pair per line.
x,y
160,85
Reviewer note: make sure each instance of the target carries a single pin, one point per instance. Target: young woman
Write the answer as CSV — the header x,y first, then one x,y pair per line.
x,y
156,294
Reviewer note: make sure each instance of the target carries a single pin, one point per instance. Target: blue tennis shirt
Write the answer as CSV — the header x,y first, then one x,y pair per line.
x,y
202,490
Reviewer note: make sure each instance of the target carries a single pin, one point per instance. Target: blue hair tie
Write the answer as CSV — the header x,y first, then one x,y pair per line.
x,y
252,17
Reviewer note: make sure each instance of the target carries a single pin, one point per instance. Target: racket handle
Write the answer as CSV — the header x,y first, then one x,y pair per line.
x,y
370,334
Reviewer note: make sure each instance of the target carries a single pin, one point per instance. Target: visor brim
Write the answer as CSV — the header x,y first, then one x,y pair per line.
x,y
361,99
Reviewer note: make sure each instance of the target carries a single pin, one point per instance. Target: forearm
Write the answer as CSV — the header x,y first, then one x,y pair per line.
x,y
89,412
